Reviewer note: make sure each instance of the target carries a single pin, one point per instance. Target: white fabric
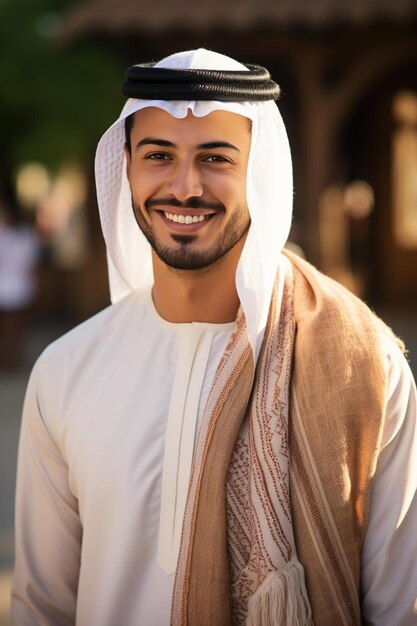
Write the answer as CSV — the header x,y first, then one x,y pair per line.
x,y
194,348
95,428
91,465
388,567
269,196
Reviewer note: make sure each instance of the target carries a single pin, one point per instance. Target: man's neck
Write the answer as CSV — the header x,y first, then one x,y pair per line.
x,y
208,295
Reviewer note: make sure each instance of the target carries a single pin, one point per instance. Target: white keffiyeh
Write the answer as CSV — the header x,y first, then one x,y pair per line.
x,y
269,196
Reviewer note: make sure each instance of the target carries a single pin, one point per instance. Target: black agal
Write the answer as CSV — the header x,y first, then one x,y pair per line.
x,y
156,83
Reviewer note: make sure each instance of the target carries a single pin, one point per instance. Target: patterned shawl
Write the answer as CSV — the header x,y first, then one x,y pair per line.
x,y
272,462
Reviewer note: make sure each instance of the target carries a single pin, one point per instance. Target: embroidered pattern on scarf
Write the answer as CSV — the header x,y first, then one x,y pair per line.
x,y
260,537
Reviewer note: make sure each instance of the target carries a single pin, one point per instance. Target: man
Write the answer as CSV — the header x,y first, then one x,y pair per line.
x,y
234,440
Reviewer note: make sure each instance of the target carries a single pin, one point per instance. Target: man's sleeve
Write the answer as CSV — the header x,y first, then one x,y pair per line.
x,y
389,556
48,528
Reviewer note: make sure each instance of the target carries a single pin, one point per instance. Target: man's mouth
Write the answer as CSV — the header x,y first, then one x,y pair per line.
x,y
186,219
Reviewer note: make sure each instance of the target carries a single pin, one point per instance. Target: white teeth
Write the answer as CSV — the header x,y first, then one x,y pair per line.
x,y
185,219
171,216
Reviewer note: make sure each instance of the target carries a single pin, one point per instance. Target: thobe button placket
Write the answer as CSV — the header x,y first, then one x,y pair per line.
x,y
193,353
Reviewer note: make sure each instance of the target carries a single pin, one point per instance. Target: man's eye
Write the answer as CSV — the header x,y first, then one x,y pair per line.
x,y
216,158
157,156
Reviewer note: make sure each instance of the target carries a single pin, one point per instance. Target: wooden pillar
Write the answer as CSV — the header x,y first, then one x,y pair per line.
x,y
324,108
316,135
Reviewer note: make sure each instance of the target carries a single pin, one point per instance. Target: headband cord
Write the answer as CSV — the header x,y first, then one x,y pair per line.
x,y
158,83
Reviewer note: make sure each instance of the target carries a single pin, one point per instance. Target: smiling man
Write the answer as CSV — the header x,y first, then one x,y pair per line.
x,y
233,440
188,184
194,187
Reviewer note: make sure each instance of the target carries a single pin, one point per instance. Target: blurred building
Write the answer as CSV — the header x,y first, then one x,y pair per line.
x,y
348,73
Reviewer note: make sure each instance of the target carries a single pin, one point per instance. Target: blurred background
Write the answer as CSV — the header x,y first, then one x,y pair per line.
x,y
348,75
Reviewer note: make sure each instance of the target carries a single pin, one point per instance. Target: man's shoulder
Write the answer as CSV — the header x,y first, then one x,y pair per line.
x,y
313,285
97,330
325,305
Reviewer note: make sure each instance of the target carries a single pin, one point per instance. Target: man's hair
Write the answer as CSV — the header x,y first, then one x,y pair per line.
x,y
128,129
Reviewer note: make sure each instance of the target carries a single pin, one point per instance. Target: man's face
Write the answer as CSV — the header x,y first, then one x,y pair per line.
x,y
188,182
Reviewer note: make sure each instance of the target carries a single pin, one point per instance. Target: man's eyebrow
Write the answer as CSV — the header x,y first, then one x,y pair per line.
x,y
217,144
153,141
163,143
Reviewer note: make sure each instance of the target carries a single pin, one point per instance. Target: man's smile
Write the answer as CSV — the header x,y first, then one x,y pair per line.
x,y
189,216
185,219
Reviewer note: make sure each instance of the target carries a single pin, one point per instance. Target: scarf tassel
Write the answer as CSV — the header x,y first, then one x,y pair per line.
x,y
281,600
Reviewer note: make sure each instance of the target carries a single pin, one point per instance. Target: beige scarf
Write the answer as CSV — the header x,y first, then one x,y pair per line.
x,y
258,480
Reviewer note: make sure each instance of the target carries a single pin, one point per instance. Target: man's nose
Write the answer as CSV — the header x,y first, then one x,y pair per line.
x,y
185,181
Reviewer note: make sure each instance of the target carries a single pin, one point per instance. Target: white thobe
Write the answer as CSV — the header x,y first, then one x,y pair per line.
x,y
107,406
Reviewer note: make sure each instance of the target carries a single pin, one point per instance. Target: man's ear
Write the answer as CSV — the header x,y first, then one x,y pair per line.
x,y
128,161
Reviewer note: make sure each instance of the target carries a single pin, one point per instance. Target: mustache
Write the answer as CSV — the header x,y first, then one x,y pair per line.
x,y
191,203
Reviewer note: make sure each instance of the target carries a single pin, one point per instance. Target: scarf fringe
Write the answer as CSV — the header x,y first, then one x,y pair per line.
x,y
281,600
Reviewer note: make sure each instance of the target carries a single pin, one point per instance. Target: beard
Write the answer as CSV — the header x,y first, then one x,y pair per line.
x,y
181,255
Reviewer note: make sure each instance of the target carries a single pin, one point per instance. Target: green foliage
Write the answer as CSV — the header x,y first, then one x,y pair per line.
x,y
55,99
